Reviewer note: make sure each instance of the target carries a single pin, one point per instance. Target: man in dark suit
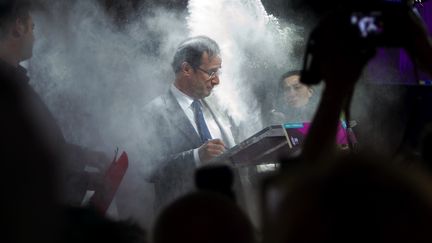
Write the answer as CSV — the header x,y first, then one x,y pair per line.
x,y
32,143
185,129
27,179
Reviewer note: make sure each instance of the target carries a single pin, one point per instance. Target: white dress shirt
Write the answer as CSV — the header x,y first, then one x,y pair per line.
x,y
185,103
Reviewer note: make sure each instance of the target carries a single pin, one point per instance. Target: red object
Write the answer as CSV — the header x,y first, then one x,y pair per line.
x,y
102,198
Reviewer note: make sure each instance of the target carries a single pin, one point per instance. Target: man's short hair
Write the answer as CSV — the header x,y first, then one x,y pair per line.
x,y
287,75
10,11
191,51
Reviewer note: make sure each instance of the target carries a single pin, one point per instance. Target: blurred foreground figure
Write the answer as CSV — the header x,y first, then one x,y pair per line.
x,y
217,179
32,147
26,114
203,217
86,225
352,199
337,54
28,155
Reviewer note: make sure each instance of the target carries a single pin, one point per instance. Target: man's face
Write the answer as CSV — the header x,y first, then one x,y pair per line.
x,y
27,38
201,82
296,94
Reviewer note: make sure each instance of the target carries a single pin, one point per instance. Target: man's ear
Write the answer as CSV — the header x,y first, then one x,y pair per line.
x,y
18,28
186,69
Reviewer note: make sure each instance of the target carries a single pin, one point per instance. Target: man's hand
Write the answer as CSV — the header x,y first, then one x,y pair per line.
x,y
211,149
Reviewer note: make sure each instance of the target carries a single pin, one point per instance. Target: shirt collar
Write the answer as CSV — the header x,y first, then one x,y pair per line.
x,y
19,72
184,100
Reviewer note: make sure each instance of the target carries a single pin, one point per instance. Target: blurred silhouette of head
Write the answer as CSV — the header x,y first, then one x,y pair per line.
x,y
215,178
203,217
87,225
355,199
16,30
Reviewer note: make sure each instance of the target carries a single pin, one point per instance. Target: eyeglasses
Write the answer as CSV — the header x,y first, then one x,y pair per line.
x,y
211,73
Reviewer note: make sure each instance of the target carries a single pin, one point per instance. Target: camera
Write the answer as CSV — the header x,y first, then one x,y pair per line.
x,y
366,24
379,23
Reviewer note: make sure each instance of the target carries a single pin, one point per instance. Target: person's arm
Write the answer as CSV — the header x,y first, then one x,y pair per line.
x,y
320,142
161,159
179,161
161,164
341,62
340,67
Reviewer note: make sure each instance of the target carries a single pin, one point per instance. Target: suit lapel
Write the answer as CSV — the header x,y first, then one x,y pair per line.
x,y
180,121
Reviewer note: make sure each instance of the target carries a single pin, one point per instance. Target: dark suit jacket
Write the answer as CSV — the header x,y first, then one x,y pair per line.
x,y
32,138
27,157
171,139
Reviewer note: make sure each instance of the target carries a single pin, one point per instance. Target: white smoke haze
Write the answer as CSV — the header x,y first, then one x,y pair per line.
x,y
96,76
378,110
89,71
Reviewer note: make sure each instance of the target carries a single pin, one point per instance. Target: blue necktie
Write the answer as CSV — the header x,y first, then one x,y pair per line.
x,y
200,122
